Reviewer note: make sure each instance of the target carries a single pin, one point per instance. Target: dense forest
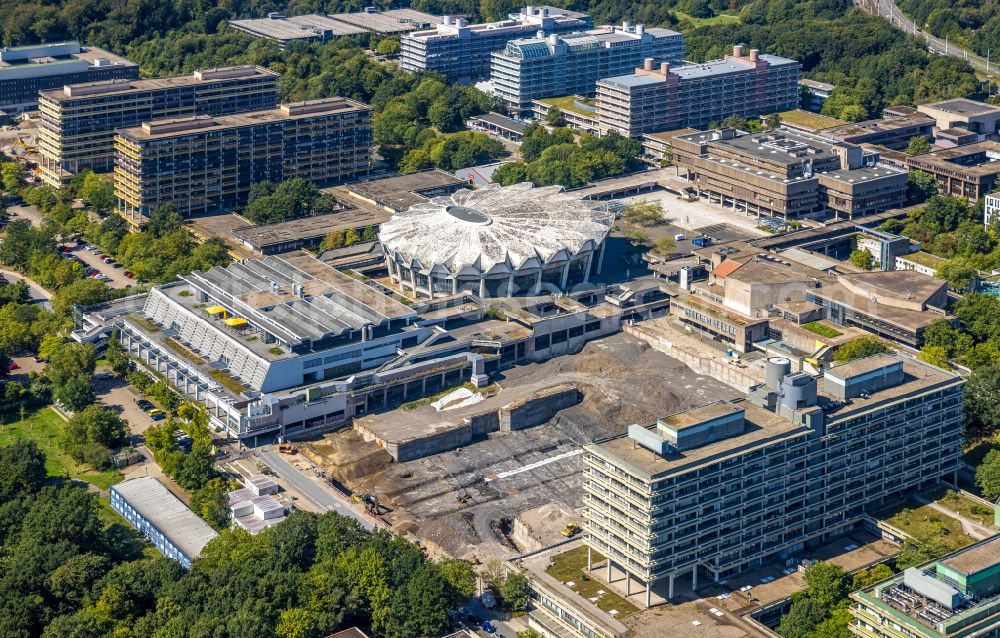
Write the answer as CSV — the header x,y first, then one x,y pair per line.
x,y
66,572
872,63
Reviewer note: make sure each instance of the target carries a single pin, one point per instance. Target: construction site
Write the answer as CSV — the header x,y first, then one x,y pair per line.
x,y
514,488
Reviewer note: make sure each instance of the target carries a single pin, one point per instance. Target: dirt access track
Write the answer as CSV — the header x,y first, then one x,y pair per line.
x,y
462,501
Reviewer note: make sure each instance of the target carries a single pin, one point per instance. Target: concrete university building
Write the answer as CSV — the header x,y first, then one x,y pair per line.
x,y
729,486
204,164
572,64
661,98
788,173
78,121
24,71
957,596
461,51
496,242
164,519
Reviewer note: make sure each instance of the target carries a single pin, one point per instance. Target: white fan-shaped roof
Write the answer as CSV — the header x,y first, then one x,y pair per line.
x,y
494,225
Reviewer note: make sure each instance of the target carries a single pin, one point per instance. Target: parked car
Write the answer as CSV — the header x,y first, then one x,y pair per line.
x,y
130,274
14,366
158,417
108,260
116,265
145,404
95,251
488,627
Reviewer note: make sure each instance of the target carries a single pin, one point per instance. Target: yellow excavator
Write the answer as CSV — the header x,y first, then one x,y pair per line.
x,y
571,530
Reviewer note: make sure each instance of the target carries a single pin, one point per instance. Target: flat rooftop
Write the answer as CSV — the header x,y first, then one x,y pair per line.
x,y
297,296
862,174
391,21
868,127
402,191
85,53
103,89
163,129
712,68
763,427
307,228
962,159
976,558
699,415
904,284
296,27
808,120
963,107
168,513
503,122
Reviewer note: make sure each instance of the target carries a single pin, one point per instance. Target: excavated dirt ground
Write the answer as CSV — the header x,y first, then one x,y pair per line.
x,y
454,500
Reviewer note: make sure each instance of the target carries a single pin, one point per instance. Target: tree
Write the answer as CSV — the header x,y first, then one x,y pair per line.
x,y
825,583
988,475
514,592
163,221
69,369
860,348
117,357
12,175
92,433
388,46
921,548
209,502
664,246
643,213
918,145
22,469
936,356
772,121
49,344
460,576
332,240
296,623
98,192
555,117
75,393
836,626
863,259
959,274
803,617
982,410
865,578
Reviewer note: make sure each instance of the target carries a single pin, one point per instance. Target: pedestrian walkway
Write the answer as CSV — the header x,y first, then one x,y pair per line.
x,y
973,528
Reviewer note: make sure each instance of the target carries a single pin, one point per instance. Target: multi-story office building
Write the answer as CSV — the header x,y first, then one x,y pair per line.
x,y
571,64
969,115
964,171
788,173
815,94
78,121
461,51
24,71
731,485
662,98
956,596
206,164
991,209
891,131
748,288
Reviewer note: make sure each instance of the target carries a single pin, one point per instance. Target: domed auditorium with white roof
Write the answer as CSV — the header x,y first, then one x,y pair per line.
x,y
496,242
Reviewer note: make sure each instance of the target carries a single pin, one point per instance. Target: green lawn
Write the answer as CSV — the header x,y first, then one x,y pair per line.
x,y
45,428
822,329
964,506
920,520
722,18
570,567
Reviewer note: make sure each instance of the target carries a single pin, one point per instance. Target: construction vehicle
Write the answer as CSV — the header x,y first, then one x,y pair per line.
x,y
370,501
287,448
571,530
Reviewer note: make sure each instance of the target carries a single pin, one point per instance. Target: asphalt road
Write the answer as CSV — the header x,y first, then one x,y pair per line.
x,y
39,294
887,9
311,488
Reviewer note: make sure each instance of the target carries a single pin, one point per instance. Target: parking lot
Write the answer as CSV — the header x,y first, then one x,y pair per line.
x,y
117,278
